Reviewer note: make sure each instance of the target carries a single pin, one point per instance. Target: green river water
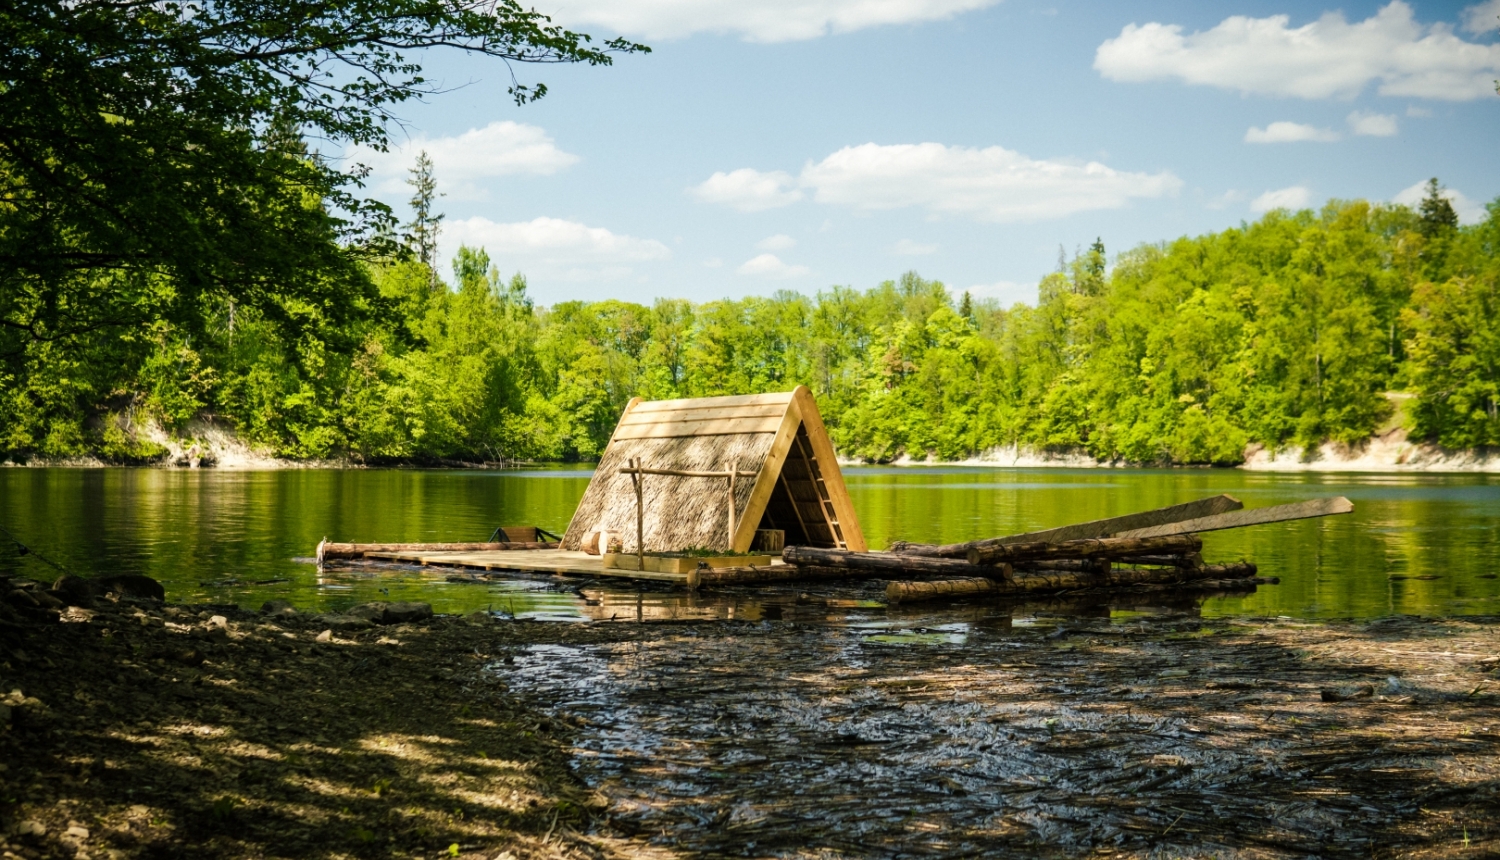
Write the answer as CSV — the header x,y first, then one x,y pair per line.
x,y
1416,544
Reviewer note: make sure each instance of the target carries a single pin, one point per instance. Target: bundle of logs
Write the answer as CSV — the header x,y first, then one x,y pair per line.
x,y
1157,549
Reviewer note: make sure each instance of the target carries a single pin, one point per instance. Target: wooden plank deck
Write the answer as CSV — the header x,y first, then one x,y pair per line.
x,y
532,560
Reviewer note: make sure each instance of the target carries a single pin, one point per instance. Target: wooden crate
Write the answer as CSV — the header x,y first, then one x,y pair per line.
x,y
676,564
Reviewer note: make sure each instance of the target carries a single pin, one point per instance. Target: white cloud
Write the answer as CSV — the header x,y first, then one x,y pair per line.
x,y
1469,211
1295,197
907,247
761,21
462,162
749,190
1325,59
713,263
1414,111
553,247
993,184
1289,132
1482,17
770,266
1373,124
779,242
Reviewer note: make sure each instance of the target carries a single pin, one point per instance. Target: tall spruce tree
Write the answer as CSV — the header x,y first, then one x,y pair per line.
x,y
425,224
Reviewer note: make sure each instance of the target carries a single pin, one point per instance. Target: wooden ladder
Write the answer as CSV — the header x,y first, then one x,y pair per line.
x,y
825,501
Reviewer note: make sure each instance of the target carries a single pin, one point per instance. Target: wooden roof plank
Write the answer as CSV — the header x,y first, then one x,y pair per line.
x,y
721,427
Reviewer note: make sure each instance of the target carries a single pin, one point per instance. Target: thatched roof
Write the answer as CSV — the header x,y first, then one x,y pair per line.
x,y
780,438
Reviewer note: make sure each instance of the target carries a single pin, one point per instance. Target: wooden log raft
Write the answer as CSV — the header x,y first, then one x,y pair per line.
x,y
1091,548
328,550
1080,531
1067,581
881,562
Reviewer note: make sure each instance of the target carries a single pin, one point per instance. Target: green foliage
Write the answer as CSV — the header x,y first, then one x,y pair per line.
x,y
1288,331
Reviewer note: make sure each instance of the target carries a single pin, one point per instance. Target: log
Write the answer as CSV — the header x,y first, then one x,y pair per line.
x,y
1083,565
1026,584
1240,519
879,562
1190,559
1115,547
1080,531
969,586
327,550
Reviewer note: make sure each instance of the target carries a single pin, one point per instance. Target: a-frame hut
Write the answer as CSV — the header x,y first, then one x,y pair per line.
x,y
787,477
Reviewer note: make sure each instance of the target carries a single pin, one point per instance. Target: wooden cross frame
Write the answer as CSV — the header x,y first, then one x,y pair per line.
x,y
637,473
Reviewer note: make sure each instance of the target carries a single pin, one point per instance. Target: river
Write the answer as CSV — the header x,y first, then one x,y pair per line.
x,y
1421,544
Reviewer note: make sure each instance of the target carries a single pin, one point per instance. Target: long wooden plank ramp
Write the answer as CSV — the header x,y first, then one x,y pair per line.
x,y
1254,517
1109,527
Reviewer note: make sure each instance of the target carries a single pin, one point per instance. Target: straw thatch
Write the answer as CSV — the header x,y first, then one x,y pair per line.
x,y
780,438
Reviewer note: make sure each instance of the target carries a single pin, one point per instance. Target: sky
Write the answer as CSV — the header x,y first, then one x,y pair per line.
x,y
781,145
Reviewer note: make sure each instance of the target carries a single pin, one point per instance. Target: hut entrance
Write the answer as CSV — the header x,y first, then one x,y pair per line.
x,y
800,503
791,480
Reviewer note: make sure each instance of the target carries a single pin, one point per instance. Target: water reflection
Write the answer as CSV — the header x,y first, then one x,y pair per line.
x,y
1417,543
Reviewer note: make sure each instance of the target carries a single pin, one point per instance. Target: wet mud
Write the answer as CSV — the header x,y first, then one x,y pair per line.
x,y
1023,731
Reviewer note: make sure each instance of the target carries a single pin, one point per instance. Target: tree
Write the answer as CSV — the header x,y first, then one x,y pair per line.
x,y
141,164
425,224
1438,215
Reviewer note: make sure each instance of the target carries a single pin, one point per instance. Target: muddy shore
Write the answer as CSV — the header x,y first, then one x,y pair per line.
x,y
147,730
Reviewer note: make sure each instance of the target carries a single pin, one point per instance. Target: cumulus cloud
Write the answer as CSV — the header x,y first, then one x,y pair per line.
x,y
762,21
992,184
1290,132
1329,58
1295,197
749,190
907,247
462,162
554,247
779,242
1482,18
771,266
1469,211
1373,124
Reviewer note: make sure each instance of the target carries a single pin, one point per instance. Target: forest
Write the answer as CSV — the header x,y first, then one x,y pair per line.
x,y
1288,331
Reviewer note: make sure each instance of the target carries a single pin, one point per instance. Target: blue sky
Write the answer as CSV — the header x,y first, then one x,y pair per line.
x,y
796,145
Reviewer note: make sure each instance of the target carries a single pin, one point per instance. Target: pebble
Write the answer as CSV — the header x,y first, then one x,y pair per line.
x,y
32,828
325,636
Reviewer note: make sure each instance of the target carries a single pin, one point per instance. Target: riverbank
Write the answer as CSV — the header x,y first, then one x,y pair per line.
x,y
143,730
1390,451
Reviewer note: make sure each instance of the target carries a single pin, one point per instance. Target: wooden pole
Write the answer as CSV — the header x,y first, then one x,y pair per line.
x,y
730,546
1239,519
637,478
1080,531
